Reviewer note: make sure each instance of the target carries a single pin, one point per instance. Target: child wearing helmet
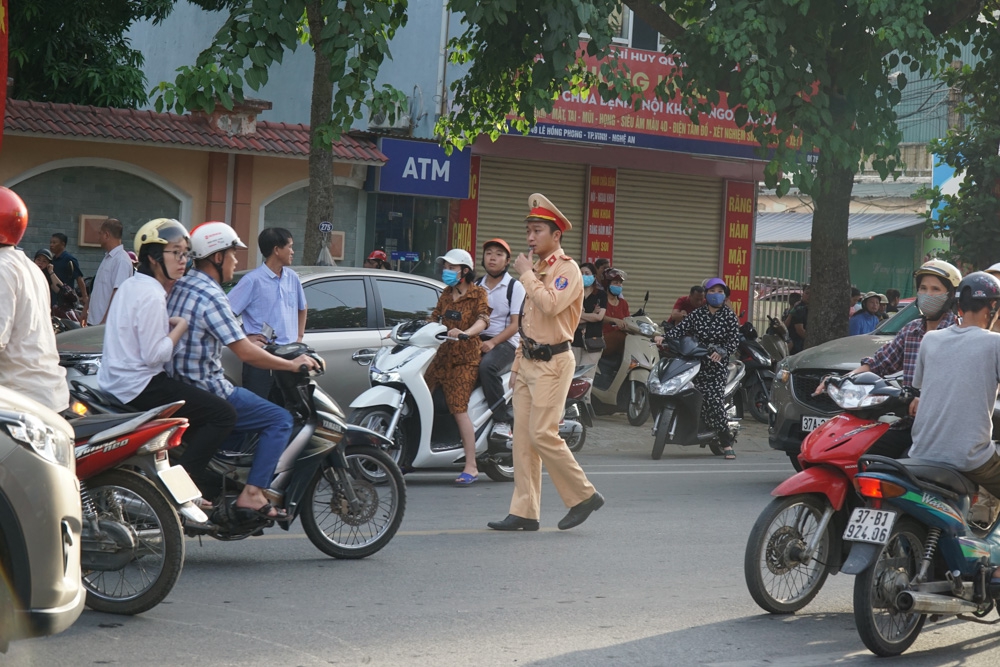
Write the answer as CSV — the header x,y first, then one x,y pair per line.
x,y
464,308
957,372
29,362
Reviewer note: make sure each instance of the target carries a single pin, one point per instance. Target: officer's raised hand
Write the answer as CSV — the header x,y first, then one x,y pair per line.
x,y
523,264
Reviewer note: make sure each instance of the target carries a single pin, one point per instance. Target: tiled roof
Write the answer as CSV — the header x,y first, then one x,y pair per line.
x,y
169,129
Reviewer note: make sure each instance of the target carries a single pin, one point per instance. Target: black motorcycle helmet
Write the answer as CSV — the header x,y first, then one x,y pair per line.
x,y
979,290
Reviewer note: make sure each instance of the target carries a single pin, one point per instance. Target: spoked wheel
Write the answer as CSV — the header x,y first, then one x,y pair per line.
x,y
344,529
884,629
638,407
757,396
378,419
134,563
778,576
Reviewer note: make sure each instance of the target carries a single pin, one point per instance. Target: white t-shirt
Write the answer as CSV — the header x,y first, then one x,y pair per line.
x,y
115,268
136,345
29,361
501,310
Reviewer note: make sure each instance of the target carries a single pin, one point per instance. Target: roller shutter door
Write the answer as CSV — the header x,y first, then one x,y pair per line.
x,y
504,188
667,234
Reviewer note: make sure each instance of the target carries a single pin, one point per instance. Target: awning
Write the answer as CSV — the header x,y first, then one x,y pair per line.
x,y
797,227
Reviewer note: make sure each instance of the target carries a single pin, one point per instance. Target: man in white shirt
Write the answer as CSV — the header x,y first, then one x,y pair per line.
x,y
500,339
29,362
115,268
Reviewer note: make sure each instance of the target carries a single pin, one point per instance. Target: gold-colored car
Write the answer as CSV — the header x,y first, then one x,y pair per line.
x,y
40,521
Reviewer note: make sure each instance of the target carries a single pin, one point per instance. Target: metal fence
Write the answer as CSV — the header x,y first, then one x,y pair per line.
x,y
778,272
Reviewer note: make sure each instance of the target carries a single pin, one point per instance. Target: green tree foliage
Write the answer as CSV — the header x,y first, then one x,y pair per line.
x,y
76,51
804,76
350,39
971,217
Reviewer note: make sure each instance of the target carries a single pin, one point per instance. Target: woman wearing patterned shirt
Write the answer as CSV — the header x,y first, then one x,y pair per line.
x,y
464,309
717,328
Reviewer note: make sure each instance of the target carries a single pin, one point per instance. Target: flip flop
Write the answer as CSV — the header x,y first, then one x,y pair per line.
x,y
264,512
465,479
730,453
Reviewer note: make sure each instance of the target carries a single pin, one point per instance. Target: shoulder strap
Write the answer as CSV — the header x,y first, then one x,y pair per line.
x,y
510,292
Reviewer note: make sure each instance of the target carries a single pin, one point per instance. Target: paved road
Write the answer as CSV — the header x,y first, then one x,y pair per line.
x,y
654,578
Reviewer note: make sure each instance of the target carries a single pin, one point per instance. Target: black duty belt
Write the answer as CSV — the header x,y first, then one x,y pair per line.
x,y
538,352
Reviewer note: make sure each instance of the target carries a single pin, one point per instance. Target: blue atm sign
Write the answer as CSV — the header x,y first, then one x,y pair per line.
x,y
422,168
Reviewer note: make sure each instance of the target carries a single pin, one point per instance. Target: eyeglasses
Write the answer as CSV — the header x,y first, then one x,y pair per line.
x,y
179,254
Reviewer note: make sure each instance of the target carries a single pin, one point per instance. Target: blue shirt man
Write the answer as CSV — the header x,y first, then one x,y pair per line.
x,y
66,267
865,320
270,294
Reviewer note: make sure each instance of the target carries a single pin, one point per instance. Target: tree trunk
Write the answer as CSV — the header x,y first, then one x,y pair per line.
x,y
830,290
320,207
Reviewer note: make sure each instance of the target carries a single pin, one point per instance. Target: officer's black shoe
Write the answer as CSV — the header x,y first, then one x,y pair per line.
x,y
514,523
579,513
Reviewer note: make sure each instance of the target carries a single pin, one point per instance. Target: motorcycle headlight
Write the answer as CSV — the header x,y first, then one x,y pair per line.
x,y
647,329
673,385
852,396
382,377
52,445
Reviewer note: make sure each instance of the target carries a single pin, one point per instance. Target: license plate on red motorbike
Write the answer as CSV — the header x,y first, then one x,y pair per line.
x,y
179,484
868,525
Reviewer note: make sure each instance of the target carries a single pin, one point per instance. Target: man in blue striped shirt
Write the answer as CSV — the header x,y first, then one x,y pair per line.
x,y
197,360
270,294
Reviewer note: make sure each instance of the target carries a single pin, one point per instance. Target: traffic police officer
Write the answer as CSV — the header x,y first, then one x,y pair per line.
x,y
541,375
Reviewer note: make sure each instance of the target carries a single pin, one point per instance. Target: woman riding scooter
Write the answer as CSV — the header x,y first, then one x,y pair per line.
x,y
715,325
463,308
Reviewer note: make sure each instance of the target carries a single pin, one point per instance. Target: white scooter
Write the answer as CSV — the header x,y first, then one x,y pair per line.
x,y
620,383
400,405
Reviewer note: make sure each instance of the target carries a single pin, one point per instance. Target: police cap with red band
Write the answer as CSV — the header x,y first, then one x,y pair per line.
x,y
541,209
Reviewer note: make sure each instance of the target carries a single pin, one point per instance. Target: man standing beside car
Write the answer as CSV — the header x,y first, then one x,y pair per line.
x,y
271,294
797,321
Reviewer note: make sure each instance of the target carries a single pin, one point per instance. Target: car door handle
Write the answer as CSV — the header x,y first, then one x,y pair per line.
x,y
363,357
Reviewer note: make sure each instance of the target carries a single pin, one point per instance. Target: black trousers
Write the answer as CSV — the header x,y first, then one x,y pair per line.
x,y
492,366
210,418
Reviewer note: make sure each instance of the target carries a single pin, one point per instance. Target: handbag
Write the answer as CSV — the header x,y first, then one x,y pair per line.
x,y
595,344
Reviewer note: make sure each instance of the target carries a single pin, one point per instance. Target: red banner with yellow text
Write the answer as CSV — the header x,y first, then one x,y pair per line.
x,y
737,242
602,186
463,214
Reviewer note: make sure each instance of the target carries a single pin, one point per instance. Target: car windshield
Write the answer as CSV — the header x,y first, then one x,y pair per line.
x,y
891,326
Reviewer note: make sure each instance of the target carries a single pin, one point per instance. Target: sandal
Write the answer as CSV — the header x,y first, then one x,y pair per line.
x,y
264,512
729,453
465,479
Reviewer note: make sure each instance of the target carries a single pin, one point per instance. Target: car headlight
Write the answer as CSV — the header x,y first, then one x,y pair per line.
x,y
381,377
52,445
781,373
673,385
852,396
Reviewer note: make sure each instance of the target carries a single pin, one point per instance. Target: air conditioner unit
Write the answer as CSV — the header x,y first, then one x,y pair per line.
x,y
380,121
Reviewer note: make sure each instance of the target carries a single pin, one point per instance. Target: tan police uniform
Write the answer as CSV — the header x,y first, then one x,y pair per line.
x,y
552,306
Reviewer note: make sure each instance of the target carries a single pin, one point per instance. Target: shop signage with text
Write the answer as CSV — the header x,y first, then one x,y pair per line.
x,y
463,215
602,187
737,242
423,169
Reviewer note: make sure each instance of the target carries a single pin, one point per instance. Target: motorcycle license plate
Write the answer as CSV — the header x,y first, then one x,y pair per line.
x,y
179,484
810,423
868,525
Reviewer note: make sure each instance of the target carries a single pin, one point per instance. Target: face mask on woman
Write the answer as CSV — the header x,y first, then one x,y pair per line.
x,y
588,281
449,277
931,305
715,299
615,290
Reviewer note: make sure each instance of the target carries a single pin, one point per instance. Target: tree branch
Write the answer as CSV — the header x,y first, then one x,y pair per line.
x,y
655,16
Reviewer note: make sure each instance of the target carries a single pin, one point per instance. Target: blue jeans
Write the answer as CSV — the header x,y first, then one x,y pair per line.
x,y
274,423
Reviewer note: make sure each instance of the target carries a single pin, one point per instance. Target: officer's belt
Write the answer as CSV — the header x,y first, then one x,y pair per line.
x,y
538,352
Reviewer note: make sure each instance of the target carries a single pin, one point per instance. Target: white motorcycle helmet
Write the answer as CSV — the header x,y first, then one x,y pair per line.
x,y
209,238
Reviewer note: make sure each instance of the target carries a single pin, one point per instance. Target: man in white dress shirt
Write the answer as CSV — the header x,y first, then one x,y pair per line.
x,y
115,268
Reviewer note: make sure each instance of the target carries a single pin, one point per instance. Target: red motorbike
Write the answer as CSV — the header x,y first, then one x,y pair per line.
x,y
796,541
579,414
132,541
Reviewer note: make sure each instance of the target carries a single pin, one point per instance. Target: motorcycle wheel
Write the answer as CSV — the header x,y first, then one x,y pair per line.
x,y
136,505
660,437
499,472
777,580
378,419
576,444
794,460
758,394
716,448
638,409
884,629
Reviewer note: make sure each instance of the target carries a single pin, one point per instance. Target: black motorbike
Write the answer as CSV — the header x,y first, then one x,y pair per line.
x,y
348,490
774,342
756,385
676,402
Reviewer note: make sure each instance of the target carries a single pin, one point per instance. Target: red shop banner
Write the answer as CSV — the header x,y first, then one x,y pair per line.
x,y
737,242
602,186
463,215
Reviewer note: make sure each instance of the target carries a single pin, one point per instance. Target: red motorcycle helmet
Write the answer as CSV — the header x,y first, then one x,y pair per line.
x,y
379,255
13,217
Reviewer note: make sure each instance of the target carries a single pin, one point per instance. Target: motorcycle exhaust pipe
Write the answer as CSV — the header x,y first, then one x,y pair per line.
x,y
911,602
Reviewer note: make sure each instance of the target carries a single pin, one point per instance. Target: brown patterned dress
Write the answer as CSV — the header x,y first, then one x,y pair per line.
x,y
456,366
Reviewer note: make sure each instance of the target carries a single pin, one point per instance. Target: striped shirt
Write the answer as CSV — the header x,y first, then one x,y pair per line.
x,y
197,357
263,297
900,354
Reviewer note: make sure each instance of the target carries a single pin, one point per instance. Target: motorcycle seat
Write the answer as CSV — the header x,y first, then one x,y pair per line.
x,y
931,473
87,427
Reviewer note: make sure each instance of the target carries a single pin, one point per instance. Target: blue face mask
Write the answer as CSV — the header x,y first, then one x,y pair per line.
x,y
615,290
588,281
449,277
715,299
